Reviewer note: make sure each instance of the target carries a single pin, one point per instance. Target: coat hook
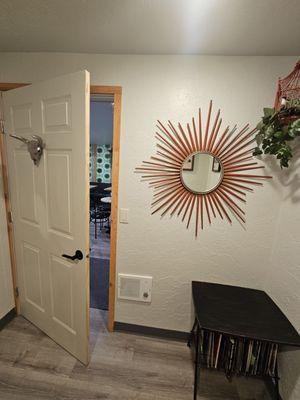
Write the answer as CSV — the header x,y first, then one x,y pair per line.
x,y
35,146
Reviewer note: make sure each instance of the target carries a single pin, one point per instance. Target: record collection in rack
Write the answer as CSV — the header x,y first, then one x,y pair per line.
x,y
237,356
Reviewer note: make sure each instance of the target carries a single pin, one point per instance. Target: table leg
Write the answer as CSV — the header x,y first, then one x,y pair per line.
x,y
189,342
277,394
197,364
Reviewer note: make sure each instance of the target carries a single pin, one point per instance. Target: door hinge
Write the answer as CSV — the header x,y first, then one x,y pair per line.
x,y
10,217
17,293
2,126
1,113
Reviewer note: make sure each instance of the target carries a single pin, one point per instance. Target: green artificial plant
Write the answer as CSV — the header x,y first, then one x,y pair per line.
x,y
277,130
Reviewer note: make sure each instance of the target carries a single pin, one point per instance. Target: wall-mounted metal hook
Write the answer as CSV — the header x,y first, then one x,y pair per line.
x,y
21,138
35,146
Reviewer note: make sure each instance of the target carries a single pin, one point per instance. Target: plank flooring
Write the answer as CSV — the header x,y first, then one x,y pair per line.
x,y
123,366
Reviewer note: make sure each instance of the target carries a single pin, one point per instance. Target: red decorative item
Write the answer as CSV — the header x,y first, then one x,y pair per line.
x,y
288,87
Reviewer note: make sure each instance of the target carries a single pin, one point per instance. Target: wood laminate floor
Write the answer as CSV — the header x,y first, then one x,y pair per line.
x,y
123,366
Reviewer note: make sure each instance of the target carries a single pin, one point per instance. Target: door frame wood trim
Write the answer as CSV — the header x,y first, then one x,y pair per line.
x,y
9,222
116,91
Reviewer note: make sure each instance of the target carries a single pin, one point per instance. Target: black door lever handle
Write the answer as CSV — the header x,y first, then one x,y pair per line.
x,y
77,256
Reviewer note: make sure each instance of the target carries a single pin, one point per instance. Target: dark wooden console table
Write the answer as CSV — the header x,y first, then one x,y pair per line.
x,y
238,317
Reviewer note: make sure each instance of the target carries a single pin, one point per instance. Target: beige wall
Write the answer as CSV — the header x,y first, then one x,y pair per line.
x,y
283,279
6,288
173,87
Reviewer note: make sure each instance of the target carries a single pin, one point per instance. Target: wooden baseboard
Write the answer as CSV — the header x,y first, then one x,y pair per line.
x,y
150,331
7,318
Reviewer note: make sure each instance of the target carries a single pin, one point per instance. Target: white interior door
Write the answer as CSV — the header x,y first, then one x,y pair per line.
x,y
50,205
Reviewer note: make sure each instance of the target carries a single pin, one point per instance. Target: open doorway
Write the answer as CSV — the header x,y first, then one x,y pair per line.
x,y
115,92
100,175
105,118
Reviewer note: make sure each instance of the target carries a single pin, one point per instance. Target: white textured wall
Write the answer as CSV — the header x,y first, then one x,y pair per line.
x,y
283,278
6,289
173,87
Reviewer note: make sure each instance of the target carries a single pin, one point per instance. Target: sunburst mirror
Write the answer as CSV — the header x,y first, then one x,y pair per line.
x,y
202,172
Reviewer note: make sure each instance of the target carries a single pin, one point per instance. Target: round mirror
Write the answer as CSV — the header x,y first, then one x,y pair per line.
x,y
201,172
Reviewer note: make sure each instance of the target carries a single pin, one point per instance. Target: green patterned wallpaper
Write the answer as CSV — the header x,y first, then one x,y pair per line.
x,y
100,163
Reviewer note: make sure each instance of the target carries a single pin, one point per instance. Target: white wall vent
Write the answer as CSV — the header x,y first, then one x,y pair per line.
x,y
134,287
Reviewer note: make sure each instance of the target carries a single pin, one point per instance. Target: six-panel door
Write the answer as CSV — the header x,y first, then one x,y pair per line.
x,y
50,205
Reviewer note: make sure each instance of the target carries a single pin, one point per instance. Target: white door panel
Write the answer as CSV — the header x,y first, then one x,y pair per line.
x,y
50,205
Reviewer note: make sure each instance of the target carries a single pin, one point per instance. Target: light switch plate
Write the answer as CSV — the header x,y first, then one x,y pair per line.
x,y
124,216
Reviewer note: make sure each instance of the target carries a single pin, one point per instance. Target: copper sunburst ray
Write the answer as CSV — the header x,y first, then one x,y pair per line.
x,y
231,147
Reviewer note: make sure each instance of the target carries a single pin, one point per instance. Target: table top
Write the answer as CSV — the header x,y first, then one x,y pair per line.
x,y
108,189
106,199
242,312
92,186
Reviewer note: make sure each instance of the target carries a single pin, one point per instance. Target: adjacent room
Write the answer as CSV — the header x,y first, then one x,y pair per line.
x,y
101,138
149,200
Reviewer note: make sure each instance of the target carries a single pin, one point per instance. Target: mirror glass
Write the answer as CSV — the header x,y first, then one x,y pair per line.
x,y
201,172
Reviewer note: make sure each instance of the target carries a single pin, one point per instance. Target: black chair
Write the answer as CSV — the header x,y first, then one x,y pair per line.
x,y
93,202
99,211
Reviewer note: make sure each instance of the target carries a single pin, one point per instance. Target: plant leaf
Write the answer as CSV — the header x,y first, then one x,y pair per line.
x,y
268,112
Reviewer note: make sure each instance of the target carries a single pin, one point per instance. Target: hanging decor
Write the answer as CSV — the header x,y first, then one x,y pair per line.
x,y
201,171
281,125
288,88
